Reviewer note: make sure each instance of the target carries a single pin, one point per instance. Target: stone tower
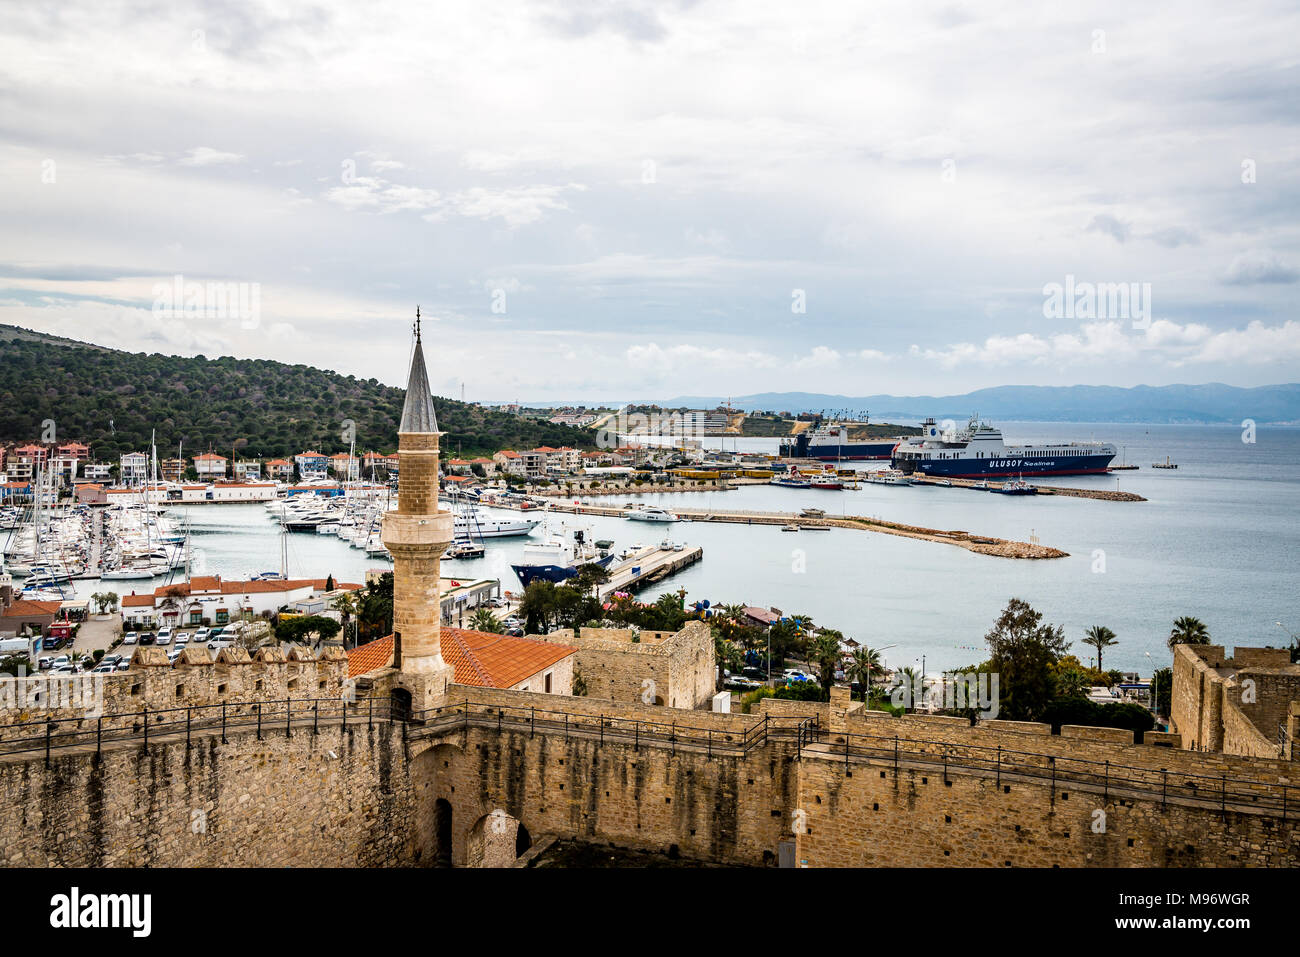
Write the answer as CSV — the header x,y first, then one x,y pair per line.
x,y
417,534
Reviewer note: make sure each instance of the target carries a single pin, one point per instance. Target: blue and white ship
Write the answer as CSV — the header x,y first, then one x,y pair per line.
x,y
556,559
978,451
831,443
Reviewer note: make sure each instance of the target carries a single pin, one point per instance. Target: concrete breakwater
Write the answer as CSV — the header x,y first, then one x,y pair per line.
x,y
1101,494
981,544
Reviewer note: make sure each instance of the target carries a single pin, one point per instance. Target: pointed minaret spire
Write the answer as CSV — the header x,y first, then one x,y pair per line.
x,y
417,532
417,413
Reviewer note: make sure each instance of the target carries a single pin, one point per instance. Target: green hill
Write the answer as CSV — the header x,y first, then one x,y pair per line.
x,y
111,400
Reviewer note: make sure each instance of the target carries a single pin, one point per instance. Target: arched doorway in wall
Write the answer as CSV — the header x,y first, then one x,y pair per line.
x,y
441,815
496,840
399,705
442,820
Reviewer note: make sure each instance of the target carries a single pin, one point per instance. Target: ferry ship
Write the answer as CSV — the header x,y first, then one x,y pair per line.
x,y
978,451
556,559
831,443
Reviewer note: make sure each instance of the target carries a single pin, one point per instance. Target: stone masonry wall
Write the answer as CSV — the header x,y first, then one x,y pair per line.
x,y
673,670
334,799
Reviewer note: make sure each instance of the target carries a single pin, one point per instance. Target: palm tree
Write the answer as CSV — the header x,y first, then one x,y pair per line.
x,y
909,679
484,620
346,605
863,666
1100,637
1188,631
824,652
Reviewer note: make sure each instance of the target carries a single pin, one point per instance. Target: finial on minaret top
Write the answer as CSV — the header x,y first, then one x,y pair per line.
x,y
417,411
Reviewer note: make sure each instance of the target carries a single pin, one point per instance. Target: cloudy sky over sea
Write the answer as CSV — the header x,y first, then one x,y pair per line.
x,y
647,199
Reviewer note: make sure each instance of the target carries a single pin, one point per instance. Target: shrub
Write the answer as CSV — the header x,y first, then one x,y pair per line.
x,y
749,699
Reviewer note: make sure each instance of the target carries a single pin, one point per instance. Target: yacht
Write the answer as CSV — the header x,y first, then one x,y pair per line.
x,y
651,513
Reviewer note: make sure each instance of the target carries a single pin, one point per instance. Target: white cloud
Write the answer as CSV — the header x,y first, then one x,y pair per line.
x,y
207,156
1111,342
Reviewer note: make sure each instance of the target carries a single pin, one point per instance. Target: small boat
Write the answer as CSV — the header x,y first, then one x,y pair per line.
x,y
1018,487
817,527
944,482
791,527
981,486
813,513
1166,464
465,549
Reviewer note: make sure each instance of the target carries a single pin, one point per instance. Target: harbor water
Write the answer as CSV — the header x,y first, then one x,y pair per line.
x,y
1217,539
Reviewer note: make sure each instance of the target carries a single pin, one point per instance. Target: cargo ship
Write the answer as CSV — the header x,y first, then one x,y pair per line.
x,y
831,443
977,451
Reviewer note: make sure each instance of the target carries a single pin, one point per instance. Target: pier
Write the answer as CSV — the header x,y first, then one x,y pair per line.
x,y
648,566
1105,495
981,544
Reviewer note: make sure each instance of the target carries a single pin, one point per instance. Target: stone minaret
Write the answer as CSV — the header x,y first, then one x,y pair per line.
x,y
417,534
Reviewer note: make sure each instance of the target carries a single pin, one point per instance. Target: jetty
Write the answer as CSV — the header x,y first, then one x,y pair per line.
x,y
1101,494
981,544
649,566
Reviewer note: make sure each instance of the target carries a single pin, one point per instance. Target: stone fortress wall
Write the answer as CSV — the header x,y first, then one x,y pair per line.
x,y
712,785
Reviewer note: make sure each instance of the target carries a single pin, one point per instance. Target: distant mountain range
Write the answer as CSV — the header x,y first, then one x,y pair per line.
x,y
1214,403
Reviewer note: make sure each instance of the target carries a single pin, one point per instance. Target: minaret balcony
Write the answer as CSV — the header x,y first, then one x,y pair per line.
x,y
417,530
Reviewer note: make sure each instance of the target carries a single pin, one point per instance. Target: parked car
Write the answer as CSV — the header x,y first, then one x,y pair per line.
x,y
201,634
164,638
130,638
123,665
44,664
62,661
147,638
102,669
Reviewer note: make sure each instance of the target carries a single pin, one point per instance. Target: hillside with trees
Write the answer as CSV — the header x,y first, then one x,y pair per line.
x,y
111,400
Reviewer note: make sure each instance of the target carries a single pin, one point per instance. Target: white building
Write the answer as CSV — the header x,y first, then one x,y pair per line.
x,y
134,468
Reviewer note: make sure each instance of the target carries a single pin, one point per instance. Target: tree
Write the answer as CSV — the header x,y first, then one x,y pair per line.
x,y
375,609
484,620
346,605
299,629
824,652
1188,631
589,577
1162,688
538,606
864,665
908,678
1101,638
1024,652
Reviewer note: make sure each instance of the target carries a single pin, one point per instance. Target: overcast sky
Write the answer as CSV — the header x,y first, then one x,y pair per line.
x,y
635,200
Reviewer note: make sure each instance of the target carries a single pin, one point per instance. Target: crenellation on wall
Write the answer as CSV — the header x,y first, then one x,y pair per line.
x,y
669,669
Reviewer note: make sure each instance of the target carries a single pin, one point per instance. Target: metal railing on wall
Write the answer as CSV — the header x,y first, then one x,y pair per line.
x,y
810,740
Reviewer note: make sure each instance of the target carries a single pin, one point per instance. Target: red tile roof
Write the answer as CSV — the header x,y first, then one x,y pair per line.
x,y
497,661
27,606
480,658
372,655
209,457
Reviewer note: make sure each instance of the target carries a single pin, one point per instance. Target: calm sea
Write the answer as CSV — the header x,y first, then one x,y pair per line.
x,y
1219,539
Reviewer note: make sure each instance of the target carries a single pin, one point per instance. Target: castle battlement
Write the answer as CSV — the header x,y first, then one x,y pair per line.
x,y
154,685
